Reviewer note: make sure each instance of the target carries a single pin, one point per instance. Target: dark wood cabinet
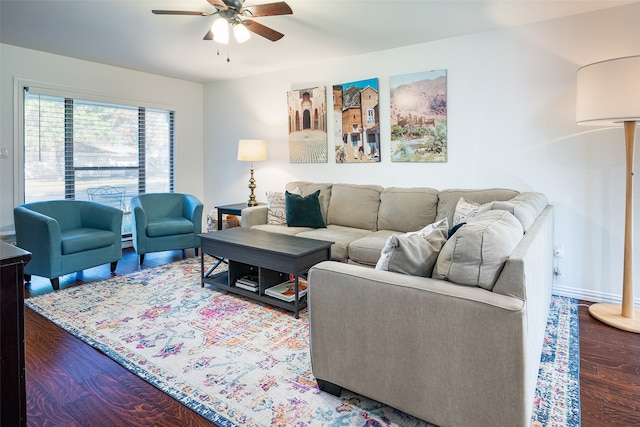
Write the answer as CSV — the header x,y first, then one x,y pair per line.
x,y
13,399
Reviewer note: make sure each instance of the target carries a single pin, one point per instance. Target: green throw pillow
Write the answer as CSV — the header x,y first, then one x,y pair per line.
x,y
304,211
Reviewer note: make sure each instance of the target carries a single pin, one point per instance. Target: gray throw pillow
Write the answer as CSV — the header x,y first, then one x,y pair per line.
x,y
414,253
525,207
476,253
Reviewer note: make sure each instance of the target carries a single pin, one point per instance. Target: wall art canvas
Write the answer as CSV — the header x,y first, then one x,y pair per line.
x,y
419,117
308,125
356,122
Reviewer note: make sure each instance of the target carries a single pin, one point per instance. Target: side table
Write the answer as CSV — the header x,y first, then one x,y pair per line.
x,y
233,209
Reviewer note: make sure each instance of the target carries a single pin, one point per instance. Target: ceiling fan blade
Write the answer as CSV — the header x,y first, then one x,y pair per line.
x,y
180,12
218,3
269,9
262,30
208,36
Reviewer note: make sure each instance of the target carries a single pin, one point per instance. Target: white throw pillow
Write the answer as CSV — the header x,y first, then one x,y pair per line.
x,y
276,206
416,252
466,210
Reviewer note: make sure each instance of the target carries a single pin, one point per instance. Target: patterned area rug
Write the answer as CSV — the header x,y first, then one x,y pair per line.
x,y
240,363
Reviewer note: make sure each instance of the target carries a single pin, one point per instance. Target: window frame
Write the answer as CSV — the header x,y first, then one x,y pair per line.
x,y
20,85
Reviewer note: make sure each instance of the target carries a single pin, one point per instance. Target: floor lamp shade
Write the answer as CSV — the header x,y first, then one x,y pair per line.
x,y
252,150
608,94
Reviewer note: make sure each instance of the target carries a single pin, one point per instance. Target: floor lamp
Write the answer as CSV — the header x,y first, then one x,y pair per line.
x,y
252,150
608,94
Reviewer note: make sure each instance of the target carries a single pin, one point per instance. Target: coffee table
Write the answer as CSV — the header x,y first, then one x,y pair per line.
x,y
271,257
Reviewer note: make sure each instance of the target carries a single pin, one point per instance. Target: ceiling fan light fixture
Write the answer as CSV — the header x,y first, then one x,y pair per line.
x,y
241,33
220,29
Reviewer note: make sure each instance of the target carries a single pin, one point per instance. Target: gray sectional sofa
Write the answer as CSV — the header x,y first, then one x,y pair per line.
x,y
457,347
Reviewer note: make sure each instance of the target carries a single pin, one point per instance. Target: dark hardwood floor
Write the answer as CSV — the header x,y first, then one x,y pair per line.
x,y
609,373
71,384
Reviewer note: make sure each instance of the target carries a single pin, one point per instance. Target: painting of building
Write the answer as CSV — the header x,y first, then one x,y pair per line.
x,y
308,125
419,117
356,122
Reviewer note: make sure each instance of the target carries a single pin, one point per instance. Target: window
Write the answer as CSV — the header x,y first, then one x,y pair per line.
x,y
87,150
371,117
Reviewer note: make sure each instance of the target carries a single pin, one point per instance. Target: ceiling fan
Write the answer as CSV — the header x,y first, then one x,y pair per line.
x,y
233,13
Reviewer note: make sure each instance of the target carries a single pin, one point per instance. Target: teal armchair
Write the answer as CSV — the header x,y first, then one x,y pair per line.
x,y
166,221
66,236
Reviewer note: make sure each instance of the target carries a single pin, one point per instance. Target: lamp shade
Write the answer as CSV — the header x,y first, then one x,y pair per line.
x,y
220,29
608,92
241,33
252,150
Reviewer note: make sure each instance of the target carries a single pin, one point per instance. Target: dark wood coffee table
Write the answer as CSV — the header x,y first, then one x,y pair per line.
x,y
271,257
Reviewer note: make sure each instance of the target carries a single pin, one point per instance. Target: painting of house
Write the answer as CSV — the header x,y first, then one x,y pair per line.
x,y
308,125
419,117
356,122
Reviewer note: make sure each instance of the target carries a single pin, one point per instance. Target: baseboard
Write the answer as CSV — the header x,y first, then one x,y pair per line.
x,y
594,296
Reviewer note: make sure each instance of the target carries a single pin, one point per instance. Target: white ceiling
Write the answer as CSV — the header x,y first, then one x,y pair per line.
x,y
126,34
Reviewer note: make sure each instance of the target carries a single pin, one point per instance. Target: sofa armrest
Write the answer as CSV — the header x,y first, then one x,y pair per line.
x,y
192,210
254,215
41,235
139,227
446,353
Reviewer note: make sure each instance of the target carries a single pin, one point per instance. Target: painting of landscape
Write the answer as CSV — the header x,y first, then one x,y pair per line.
x,y
419,117
356,122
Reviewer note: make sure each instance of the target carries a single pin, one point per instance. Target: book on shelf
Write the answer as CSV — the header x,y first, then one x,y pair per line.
x,y
249,279
249,282
286,291
242,285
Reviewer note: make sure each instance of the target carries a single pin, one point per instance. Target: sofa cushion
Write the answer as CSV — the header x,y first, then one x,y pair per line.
x,y
476,253
422,203
525,207
168,226
466,210
304,211
84,239
305,188
340,236
355,206
414,253
448,199
366,251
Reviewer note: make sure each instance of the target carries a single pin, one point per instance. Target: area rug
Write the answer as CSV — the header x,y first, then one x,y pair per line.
x,y
241,363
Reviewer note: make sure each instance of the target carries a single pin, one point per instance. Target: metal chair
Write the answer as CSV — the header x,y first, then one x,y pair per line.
x,y
111,196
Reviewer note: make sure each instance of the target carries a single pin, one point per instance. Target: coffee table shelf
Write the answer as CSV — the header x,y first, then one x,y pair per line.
x,y
269,256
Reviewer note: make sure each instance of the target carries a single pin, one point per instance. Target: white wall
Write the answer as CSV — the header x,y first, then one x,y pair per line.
x,y
511,123
185,98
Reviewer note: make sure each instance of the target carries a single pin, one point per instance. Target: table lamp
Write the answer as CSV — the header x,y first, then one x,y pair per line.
x,y
252,150
608,94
